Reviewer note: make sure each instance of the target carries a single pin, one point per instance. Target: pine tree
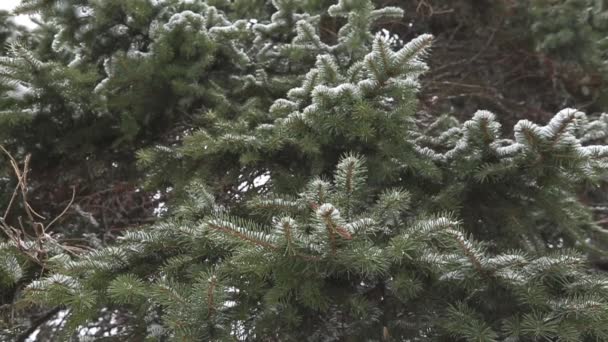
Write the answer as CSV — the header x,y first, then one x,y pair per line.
x,y
313,201
570,37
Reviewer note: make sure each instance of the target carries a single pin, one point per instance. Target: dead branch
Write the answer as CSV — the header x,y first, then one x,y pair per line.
x,y
34,247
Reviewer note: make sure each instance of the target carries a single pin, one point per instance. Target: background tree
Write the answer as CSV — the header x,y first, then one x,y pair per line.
x,y
308,188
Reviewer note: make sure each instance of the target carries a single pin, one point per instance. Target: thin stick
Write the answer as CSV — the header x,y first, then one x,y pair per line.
x,y
10,203
22,182
29,210
34,211
64,210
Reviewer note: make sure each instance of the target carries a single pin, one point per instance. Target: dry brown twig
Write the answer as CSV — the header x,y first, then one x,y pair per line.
x,y
42,237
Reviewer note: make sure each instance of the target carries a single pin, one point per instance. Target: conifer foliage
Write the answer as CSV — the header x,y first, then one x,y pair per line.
x,y
313,202
571,36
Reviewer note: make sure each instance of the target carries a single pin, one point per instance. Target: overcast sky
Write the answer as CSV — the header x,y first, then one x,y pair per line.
x,y
9,5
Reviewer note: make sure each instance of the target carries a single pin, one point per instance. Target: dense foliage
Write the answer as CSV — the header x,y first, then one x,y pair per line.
x,y
573,34
310,198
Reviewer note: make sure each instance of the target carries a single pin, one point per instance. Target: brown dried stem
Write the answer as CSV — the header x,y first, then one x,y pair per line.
x,y
37,252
